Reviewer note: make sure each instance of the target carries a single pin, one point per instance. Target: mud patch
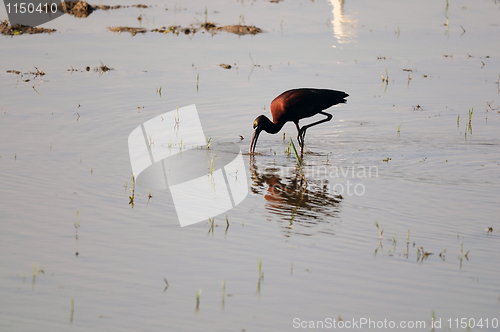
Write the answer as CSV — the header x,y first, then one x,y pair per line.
x,y
241,29
133,31
211,28
77,9
18,29
83,9
175,29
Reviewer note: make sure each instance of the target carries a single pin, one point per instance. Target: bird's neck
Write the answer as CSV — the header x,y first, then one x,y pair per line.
x,y
272,127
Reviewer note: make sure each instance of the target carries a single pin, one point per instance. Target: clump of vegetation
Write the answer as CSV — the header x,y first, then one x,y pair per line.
x,y
19,29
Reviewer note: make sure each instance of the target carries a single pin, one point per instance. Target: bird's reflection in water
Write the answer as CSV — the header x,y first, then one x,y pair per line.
x,y
301,210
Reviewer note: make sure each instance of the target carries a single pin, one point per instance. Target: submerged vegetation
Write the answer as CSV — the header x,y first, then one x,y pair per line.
x,y
421,253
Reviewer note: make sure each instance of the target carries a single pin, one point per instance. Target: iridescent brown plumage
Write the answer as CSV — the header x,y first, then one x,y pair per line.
x,y
293,105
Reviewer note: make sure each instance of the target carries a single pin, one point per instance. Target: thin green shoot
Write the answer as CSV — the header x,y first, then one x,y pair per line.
x,y
209,140
223,293
211,229
72,310
212,163
288,150
468,126
303,177
77,224
380,232
198,295
133,191
442,254
461,254
177,117
149,196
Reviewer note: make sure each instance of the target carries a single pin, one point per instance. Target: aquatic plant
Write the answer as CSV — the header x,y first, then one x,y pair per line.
x,y
198,295
133,191
380,232
77,224
223,293
303,177
72,310
288,150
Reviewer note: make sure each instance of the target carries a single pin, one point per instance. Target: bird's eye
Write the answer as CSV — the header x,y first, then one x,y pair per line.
x,y
255,124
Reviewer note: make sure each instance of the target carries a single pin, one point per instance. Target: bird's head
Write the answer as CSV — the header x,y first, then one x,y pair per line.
x,y
260,123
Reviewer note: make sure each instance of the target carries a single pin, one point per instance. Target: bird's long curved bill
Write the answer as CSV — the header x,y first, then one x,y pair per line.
x,y
253,143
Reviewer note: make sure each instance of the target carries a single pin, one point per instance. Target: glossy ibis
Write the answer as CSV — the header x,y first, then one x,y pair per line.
x,y
293,105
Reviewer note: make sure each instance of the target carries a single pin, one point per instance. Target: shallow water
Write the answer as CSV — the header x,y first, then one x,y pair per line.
x,y
63,149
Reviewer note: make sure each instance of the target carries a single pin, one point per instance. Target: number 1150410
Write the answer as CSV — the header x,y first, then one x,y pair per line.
x,y
473,323
30,8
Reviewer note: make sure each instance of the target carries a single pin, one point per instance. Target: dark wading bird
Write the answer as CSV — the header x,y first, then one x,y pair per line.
x,y
293,105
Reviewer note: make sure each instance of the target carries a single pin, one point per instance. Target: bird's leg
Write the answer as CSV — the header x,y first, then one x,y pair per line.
x,y
299,138
302,131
